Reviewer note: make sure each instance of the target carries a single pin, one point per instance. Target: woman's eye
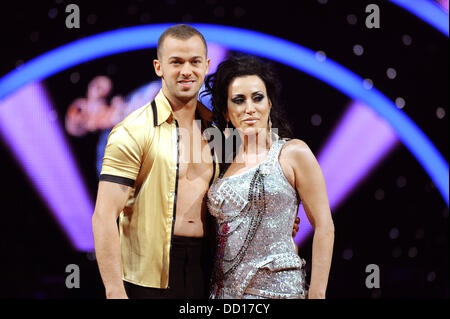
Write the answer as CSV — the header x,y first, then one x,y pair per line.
x,y
258,98
237,101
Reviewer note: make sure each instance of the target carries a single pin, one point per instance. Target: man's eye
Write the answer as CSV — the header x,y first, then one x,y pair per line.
x,y
196,62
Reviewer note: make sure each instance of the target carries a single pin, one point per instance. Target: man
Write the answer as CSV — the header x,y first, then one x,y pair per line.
x,y
149,178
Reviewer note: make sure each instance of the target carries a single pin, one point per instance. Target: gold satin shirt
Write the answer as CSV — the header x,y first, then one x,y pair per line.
x,y
142,152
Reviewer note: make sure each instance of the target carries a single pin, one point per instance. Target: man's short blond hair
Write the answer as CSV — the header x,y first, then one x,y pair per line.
x,y
182,32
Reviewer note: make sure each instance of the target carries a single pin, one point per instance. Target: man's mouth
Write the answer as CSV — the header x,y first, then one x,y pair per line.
x,y
186,83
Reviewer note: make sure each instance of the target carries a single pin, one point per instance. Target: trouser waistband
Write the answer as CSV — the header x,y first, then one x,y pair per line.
x,y
187,241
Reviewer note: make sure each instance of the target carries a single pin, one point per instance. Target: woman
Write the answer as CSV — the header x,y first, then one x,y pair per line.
x,y
255,201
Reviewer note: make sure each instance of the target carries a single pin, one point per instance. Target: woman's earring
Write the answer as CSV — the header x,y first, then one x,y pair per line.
x,y
270,130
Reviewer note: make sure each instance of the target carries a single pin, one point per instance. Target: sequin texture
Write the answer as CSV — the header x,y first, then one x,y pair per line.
x,y
267,265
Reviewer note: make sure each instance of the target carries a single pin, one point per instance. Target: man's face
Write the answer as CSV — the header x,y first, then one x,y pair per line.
x,y
182,66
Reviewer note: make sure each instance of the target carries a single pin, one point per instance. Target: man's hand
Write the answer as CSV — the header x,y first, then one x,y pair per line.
x,y
117,294
295,229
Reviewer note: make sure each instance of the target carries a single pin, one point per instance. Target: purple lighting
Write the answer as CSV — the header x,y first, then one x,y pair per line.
x,y
29,126
360,141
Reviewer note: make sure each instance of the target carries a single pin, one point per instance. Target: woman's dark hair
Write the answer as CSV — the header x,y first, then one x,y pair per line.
x,y
217,85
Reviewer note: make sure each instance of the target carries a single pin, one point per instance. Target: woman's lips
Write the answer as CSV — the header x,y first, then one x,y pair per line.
x,y
250,121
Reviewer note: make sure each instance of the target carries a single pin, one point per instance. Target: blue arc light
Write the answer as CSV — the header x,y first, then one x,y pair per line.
x,y
428,11
294,55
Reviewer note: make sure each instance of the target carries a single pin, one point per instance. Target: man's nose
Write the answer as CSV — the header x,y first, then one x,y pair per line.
x,y
186,70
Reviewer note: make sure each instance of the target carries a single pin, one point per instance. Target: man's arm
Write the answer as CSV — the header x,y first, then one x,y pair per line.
x,y
111,199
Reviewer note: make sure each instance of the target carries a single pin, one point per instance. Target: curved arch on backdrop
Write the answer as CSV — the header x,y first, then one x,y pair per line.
x,y
428,11
283,51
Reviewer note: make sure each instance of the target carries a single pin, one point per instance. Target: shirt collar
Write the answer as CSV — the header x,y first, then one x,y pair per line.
x,y
164,110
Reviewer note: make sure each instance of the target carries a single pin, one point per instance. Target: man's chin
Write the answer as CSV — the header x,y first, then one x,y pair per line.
x,y
187,95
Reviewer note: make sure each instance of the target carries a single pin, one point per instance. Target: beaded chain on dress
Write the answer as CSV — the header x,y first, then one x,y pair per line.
x,y
255,213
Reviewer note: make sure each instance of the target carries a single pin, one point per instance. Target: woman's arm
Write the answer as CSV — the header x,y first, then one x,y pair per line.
x,y
305,172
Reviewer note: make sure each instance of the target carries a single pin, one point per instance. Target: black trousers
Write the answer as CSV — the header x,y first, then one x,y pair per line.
x,y
187,275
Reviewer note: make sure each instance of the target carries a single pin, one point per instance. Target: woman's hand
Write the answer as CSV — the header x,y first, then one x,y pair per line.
x,y
312,294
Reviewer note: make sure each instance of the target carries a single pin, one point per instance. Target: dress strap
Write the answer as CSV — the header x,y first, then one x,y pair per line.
x,y
274,152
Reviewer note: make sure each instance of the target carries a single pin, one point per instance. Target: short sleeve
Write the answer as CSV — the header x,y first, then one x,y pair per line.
x,y
123,156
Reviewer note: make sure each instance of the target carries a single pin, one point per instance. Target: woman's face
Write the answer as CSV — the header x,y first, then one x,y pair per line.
x,y
248,104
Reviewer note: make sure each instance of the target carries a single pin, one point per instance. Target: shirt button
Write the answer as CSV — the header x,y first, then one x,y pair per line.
x,y
172,194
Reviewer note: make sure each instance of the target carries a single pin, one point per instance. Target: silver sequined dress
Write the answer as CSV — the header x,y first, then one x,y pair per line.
x,y
270,266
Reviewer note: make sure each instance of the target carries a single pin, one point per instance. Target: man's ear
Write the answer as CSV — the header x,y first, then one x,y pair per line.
x,y
208,61
157,66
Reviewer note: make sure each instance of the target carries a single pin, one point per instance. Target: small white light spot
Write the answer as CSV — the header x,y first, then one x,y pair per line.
x,y
412,252
358,49
400,102
406,39
347,254
238,12
91,19
379,194
34,36
316,120
391,73
440,113
52,13
321,56
352,19
401,181
431,276
394,233
368,84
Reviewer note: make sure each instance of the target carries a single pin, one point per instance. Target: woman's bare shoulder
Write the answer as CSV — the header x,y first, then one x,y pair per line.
x,y
297,153
295,147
